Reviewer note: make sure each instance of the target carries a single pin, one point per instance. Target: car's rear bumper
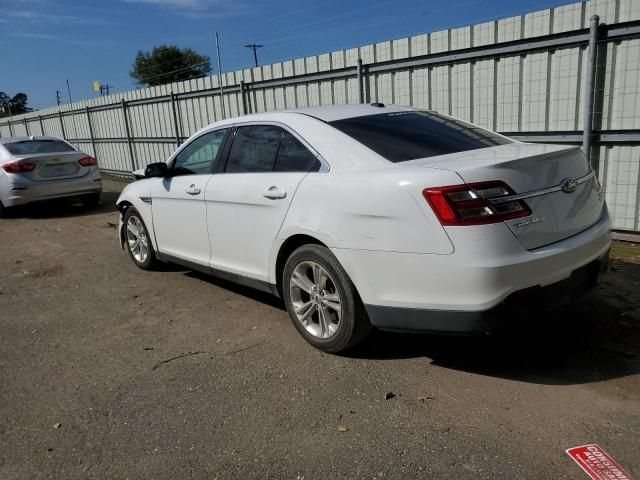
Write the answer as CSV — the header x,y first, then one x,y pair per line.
x,y
582,282
18,190
462,292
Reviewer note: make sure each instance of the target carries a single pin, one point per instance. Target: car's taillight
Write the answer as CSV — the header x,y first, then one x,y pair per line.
x,y
19,167
88,162
474,204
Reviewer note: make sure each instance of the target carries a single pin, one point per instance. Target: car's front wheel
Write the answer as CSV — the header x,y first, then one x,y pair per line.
x,y
137,241
322,301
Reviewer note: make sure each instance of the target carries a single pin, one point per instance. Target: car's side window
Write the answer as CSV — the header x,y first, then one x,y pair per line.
x,y
200,155
293,156
254,149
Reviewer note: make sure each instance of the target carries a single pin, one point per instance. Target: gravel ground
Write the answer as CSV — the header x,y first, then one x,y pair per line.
x,y
108,371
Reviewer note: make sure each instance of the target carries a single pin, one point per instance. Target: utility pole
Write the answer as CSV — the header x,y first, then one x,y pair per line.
x,y
58,97
220,75
255,48
73,118
104,89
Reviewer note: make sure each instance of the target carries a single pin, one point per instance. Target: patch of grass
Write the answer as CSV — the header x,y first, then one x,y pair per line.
x,y
625,251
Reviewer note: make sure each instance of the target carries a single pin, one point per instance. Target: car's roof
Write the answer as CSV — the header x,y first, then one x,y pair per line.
x,y
330,113
4,140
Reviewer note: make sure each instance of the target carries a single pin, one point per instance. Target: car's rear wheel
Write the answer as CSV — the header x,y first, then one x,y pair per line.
x,y
322,301
137,241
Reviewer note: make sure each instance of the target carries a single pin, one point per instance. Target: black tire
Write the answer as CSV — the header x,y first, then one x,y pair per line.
x,y
354,325
3,211
150,261
92,200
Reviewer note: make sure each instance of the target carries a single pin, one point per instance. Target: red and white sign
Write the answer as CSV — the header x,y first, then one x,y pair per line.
x,y
597,464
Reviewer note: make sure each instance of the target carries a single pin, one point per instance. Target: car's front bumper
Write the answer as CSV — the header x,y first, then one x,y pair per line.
x,y
18,190
464,291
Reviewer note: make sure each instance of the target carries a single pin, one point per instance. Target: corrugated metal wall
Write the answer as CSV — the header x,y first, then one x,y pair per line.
x,y
531,93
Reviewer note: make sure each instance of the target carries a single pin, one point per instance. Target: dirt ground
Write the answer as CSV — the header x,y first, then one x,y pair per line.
x,y
107,371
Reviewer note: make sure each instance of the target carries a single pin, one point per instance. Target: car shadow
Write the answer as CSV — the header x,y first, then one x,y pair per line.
x,y
597,341
64,207
257,295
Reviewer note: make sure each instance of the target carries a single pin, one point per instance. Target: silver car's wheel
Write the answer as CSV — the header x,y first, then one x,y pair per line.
x,y
315,299
137,239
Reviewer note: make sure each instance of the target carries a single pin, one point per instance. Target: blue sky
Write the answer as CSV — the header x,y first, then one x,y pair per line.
x,y
44,42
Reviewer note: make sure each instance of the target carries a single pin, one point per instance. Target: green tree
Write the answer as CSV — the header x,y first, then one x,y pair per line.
x,y
13,106
168,63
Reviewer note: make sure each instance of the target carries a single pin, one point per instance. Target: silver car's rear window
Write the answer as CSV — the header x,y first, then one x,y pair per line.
x,y
402,136
34,147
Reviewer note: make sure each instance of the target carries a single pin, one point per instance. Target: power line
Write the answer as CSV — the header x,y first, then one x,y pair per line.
x,y
255,48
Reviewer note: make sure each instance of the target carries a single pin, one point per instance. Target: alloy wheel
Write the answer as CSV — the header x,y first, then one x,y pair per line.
x,y
315,298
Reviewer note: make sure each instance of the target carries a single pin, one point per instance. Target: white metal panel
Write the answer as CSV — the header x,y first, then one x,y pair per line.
x,y
420,45
401,88
440,89
461,91
626,91
484,34
483,88
460,38
508,94
534,92
537,23
563,92
420,87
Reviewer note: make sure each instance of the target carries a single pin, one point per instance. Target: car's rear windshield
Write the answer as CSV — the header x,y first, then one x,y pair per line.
x,y
34,147
403,136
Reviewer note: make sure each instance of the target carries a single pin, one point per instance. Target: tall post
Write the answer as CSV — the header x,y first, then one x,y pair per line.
x,y
10,128
360,81
244,100
174,113
73,116
128,133
41,124
64,134
220,76
26,126
93,140
587,134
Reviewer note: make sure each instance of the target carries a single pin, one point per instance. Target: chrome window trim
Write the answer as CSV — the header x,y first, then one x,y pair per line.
x,y
536,193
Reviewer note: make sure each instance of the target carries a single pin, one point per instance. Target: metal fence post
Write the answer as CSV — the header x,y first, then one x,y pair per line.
x,y
242,96
174,113
128,134
93,141
10,128
64,135
360,72
41,124
587,134
26,126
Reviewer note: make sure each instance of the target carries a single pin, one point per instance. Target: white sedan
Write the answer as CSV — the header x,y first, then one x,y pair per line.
x,y
378,216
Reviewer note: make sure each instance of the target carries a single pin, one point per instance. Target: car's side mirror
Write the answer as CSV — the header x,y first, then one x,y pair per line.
x,y
155,170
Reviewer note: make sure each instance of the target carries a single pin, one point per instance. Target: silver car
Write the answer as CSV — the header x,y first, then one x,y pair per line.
x,y
43,168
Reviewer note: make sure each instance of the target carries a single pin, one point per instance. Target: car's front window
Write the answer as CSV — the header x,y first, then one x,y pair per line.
x,y
199,157
402,136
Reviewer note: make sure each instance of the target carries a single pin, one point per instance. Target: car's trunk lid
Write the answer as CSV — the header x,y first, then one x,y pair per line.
x,y
54,166
536,172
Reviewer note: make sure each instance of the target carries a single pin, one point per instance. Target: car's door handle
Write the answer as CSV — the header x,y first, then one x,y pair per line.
x,y
274,193
192,189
